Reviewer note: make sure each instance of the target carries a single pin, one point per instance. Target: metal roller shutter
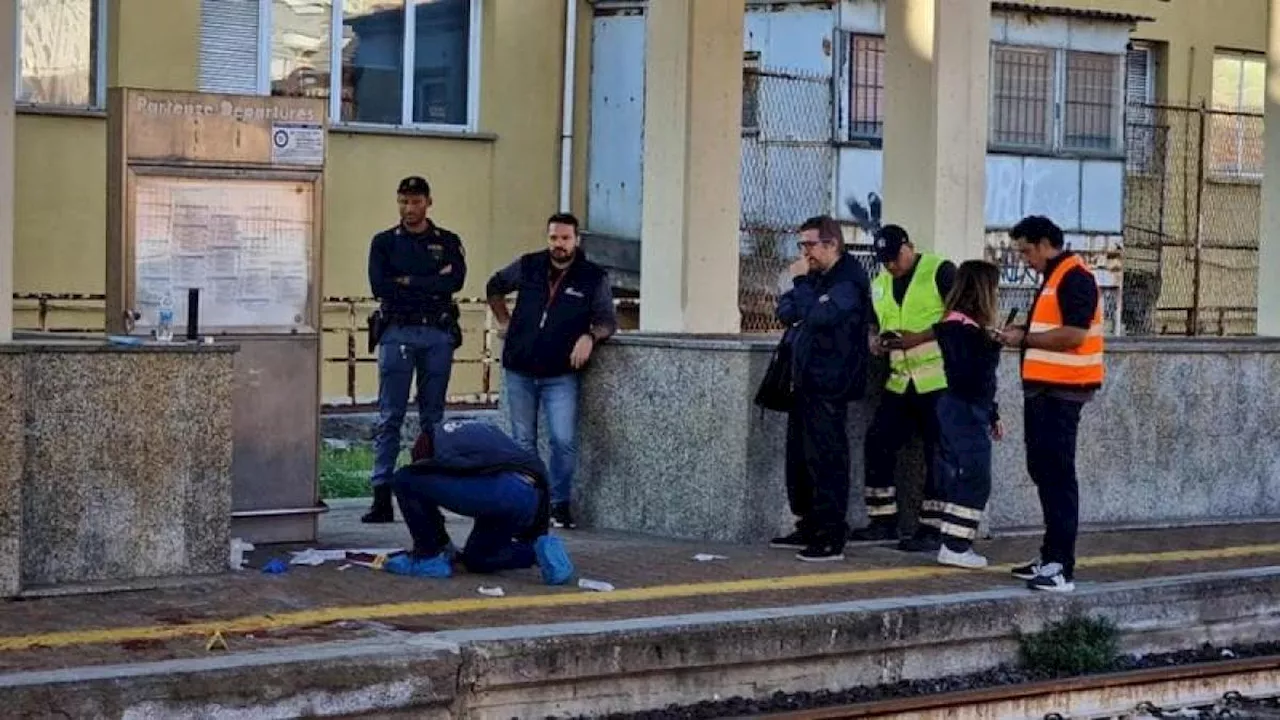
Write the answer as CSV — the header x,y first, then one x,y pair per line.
x,y
229,46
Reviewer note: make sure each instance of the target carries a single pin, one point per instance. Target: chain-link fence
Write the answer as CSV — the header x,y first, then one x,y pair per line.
x,y
788,161
1192,204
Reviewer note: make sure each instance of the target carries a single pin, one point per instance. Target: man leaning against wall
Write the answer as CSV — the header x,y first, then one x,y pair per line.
x,y
414,270
564,309
1062,368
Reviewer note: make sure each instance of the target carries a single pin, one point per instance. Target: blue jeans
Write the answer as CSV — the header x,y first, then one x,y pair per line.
x,y
502,504
406,350
558,396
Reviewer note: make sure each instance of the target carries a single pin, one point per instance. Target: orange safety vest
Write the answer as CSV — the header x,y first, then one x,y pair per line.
x,y
1081,367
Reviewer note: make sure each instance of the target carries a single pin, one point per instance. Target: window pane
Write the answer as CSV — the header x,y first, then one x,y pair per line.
x,y
58,50
1091,108
1226,82
372,61
1253,85
1021,93
300,48
441,60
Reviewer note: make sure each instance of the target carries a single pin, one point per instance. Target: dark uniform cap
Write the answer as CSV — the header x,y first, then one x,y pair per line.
x,y
888,241
414,185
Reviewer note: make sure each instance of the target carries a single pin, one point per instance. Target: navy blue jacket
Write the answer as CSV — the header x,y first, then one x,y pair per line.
x,y
474,447
396,252
970,358
545,326
829,315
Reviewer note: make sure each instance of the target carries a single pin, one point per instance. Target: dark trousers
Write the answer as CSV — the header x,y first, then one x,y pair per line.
x,y
818,466
963,468
502,504
1052,424
897,419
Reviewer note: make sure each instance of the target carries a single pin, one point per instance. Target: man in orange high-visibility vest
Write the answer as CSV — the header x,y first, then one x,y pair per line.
x,y
1062,353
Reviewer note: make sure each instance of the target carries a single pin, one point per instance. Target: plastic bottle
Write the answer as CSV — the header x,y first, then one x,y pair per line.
x,y
164,320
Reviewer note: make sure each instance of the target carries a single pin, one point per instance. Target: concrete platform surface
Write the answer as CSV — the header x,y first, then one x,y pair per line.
x,y
369,640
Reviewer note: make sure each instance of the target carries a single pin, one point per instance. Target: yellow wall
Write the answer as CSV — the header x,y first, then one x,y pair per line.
x,y
495,189
1192,29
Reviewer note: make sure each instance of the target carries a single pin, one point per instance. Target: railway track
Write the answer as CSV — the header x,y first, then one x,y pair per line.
x,y
1227,689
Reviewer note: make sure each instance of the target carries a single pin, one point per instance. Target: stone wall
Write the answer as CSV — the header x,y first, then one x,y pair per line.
x,y
1185,431
115,463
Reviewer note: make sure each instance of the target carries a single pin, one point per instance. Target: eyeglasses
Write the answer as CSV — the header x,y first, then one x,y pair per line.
x,y
806,244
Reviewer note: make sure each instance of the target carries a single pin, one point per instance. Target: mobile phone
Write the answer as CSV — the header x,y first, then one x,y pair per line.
x,y
891,340
1013,315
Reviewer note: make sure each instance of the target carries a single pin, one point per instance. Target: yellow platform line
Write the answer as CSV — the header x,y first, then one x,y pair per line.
x,y
321,616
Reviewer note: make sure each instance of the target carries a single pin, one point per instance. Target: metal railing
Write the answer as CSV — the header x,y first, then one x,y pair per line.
x,y
354,325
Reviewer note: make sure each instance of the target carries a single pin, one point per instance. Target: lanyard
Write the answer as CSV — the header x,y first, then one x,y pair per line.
x,y
552,292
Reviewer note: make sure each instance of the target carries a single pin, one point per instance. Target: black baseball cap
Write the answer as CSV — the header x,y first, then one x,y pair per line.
x,y
888,242
414,185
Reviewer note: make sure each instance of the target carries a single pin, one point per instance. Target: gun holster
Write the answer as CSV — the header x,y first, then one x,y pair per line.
x,y
377,326
454,324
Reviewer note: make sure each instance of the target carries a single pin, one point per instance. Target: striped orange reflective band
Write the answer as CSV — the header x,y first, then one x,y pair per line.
x,y
1081,366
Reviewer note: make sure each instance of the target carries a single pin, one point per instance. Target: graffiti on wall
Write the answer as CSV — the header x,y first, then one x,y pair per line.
x,y
1101,251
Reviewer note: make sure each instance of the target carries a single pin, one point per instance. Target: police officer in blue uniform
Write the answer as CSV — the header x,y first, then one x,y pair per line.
x,y
473,469
414,270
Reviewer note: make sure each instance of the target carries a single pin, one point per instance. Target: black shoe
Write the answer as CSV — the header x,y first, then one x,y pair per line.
x,y
822,551
921,541
381,511
1030,571
875,532
797,540
561,517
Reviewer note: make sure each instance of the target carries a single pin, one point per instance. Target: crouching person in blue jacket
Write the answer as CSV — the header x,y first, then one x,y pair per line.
x,y
474,469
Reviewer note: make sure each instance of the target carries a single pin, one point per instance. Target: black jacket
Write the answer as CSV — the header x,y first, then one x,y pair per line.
x,y
552,311
830,314
396,252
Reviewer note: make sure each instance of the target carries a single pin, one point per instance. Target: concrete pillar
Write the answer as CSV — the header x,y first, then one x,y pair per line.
x,y
1269,233
8,68
935,122
692,156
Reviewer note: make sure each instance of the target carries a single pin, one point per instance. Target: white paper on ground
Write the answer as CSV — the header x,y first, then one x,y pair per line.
x,y
707,557
596,585
490,591
314,556
238,549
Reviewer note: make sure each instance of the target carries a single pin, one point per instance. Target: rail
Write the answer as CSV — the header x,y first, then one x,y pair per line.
x,y
1152,692
354,311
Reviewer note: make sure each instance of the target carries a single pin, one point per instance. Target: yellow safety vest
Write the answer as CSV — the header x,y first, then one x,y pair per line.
x,y
921,308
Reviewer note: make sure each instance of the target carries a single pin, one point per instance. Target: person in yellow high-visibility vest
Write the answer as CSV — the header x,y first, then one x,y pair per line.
x,y
909,299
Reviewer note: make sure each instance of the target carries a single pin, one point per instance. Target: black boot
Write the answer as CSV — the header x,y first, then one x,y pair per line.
x,y
381,511
926,539
562,516
880,530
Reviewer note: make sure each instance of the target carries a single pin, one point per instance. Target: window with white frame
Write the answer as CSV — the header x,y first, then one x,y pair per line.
x,y
1054,100
408,63
61,53
1235,128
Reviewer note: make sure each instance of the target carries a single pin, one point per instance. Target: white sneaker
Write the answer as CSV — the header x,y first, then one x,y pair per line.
x,y
1051,579
967,559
